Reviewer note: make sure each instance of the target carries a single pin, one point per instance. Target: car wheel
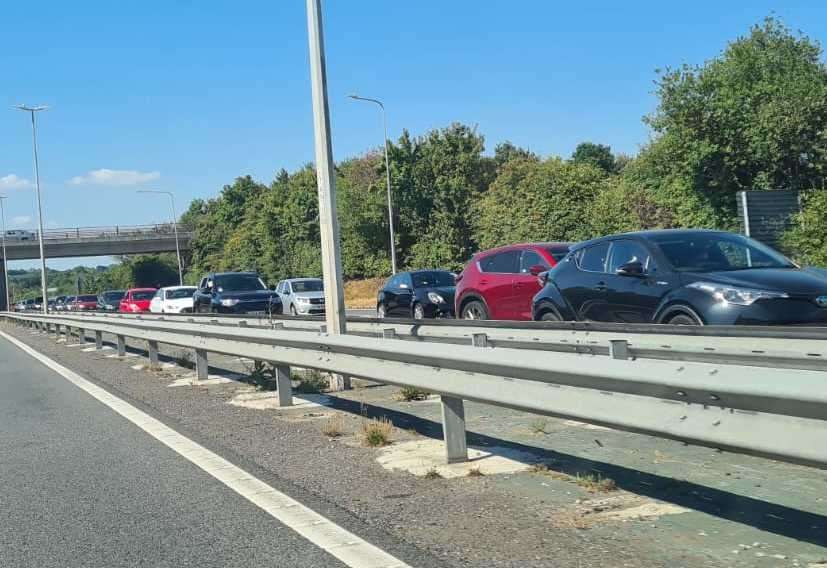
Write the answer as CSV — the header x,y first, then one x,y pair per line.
x,y
293,310
549,316
418,312
683,319
474,310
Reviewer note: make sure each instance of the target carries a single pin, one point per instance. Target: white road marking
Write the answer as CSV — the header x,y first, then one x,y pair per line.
x,y
327,535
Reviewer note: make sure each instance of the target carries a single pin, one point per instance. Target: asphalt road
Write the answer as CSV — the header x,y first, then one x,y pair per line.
x,y
82,486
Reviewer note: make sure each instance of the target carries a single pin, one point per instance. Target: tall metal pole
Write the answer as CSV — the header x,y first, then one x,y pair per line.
x,y
387,176
32,110
325,178
5,258
174,228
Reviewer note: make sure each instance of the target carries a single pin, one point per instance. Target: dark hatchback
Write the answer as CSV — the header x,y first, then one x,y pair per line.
x,y
235,293
689,277
418,294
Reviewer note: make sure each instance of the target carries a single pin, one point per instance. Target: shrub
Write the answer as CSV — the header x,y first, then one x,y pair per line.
x,y
312,382
376,433
412,393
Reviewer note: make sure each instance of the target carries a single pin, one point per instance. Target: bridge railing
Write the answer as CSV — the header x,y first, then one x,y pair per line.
x,y
106,232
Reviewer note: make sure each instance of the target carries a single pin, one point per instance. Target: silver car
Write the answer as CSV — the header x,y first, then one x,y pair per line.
x,y
302,296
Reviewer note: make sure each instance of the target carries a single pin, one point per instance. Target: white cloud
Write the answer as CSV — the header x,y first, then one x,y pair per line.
x,y
115,177
11,181
20,220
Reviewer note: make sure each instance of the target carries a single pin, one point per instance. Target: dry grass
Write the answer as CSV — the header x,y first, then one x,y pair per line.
x,y
595,483
539,426
409,394
361,294
432,473
475,472
377,433
334,426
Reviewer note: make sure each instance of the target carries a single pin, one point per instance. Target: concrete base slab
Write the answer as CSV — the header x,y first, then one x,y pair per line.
x,y
584,425
422,456
116,356
90,349
192,379
269,400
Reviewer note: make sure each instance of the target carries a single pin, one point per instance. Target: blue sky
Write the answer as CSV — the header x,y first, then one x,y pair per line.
x,y
185,96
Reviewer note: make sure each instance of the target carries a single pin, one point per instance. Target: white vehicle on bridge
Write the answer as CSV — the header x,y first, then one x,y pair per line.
x,y
20,235
302,296
172,300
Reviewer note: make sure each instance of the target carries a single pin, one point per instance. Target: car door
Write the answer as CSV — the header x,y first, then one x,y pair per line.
x,y
633,298
497,282
201,297
585,289
404,296
525,285
389,294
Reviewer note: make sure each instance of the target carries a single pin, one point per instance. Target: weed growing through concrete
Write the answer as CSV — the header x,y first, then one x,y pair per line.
x,y
539,426
311,382
184,359
409,394
376,433
595,483
432,473
334,426
262,374
475,472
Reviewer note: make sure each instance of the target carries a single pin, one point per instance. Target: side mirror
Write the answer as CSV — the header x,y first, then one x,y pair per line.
x,y
536,269
633,269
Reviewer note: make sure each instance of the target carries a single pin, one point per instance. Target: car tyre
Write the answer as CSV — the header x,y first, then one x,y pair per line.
x,y
683,319
550,316
474,310
380,311
418,311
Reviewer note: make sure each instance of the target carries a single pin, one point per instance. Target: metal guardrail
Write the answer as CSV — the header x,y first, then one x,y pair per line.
x,y
103,232
771,412
795,348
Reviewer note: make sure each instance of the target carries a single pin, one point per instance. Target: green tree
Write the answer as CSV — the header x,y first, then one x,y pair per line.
x,y
598,155
807,238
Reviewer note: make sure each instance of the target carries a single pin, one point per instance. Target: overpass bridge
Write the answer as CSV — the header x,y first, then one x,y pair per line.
x,y
95,241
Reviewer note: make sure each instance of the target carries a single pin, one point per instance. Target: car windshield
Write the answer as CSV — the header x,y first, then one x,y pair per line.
x,y
435,278
558,253
87,298
180,293
307,286
717,252
113,296
143,295
239,283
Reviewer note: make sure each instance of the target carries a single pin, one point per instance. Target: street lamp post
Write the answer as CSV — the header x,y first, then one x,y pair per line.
x,y
174,228
32,110
5,259
387,175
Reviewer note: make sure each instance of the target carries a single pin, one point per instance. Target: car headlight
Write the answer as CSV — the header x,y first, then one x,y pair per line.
x,y
436,298
302,300
735,295
229,302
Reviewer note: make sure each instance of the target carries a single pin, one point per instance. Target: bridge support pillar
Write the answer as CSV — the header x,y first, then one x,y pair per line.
x,y
284,385
201,365
152,350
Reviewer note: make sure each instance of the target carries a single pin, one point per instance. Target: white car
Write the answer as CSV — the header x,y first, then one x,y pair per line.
x,y
172,300
302,296
20,235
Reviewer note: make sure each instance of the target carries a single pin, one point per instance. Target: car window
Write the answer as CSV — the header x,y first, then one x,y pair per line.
x,y
239,283
203,283
433,278
405,281
624,252
531,258
179,293
713,252
308,286
558,252
593,258
88,298
505,262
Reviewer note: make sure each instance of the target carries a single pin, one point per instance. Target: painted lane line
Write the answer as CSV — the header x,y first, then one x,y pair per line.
x,y
322,532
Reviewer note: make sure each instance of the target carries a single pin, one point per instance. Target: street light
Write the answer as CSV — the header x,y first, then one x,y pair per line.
x,y
174,228
31,110
387,175
5,259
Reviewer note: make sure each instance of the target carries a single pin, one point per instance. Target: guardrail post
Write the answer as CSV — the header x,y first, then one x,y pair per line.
x,y
453,429
81,335
389,333
121,346
98,340
618,349
56,331
201,365
152,349
284,385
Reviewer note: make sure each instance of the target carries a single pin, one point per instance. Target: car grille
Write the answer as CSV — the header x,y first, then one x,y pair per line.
x,y
317,301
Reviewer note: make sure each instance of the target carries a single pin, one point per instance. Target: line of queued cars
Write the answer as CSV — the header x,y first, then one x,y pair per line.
x,y
674,276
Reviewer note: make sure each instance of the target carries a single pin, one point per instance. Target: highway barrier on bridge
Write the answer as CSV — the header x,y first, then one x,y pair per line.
x,y
770,410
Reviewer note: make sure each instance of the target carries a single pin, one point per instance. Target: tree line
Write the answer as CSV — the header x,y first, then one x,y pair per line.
x,y
752,118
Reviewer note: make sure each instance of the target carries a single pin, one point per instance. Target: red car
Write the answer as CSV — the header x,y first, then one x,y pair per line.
x,y
84,303
136,300
500,283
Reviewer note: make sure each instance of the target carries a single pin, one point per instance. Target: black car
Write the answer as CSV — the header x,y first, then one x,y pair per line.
x,y
235,293
110,300
417,294
689,277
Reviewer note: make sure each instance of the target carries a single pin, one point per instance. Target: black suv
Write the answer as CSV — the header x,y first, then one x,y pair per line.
x,y
235,293
680,276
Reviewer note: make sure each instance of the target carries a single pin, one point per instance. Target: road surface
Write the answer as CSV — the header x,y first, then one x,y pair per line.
x,y
84,486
